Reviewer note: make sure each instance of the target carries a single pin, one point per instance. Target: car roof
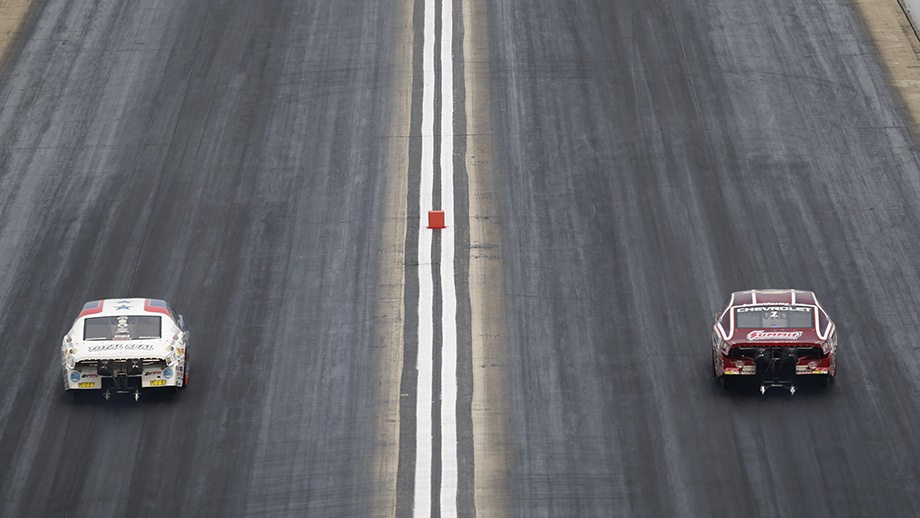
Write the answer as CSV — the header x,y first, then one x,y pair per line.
x,y
725,321
115,307
785,296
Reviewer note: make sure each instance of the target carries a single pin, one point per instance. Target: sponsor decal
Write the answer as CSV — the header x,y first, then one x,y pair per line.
x,y
760,334
805,369
74,377
120,347
152,373
121,331
90,375
803,309
167,373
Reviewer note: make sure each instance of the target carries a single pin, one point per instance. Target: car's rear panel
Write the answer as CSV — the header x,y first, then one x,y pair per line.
x,y
137,372
761,359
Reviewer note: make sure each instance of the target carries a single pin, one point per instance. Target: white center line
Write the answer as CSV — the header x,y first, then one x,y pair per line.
x,y
425,389
448,368
448,287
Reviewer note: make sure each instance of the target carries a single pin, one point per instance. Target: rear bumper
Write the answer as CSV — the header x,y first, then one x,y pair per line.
x,y
121,375
744,365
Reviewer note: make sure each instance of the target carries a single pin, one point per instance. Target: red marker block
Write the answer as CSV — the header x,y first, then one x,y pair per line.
x,y
436,219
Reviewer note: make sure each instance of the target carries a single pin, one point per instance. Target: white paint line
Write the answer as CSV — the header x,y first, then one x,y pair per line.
x,y
448,410
448,288
425,384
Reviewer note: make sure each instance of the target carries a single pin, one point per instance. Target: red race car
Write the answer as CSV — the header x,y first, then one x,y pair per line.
x,y
776,337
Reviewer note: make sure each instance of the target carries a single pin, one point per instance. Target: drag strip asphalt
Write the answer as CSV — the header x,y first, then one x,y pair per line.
x,y
231,157
616,169
652,157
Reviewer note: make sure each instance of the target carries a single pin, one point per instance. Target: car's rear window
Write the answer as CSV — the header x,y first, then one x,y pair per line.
x,y
121,327
766,317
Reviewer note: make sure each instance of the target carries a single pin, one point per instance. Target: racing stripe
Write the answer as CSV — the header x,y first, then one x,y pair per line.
x,y
155,306
91,308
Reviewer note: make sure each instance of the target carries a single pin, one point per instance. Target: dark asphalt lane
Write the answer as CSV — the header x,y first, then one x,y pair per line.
x,y
227,156
651,157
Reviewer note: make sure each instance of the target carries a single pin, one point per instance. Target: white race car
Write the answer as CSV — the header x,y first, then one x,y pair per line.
x,y
124,345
